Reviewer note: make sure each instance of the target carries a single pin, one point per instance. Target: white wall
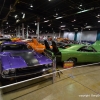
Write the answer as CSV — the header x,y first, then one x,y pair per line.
x,y
69,35
48,34
87,35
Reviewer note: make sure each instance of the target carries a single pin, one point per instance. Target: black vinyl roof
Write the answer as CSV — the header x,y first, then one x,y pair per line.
x,y
73,15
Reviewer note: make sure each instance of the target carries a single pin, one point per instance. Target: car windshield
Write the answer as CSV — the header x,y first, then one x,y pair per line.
x,y
5,40
14,47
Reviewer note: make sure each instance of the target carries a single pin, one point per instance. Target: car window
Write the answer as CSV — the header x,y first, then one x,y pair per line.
x,y
87,49
5,40
14,47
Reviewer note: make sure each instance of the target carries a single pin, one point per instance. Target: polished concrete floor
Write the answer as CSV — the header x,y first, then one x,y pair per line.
x,y
77,83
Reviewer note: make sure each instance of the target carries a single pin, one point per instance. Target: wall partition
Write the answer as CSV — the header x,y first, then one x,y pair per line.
x,y
98,35
69,35
87,36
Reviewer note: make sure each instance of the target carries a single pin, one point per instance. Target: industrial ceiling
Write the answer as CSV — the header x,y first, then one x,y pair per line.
x,y
53,15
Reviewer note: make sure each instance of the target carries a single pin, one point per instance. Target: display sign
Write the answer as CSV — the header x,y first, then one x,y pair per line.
x,y
68,64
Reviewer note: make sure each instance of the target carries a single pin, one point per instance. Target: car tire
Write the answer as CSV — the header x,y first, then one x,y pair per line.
x,y
74,60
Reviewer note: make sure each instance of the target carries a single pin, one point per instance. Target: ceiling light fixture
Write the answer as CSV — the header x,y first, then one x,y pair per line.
x,y
23,16
17,21
56,14
75,28
88,27
49,25
49,0
46,21
35,24
74,20
85,10
59,17
63,26
98,21
31,6
80,8
80,5
16,16
6,22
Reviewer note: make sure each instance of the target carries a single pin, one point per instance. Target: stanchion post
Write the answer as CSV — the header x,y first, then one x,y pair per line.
x,y
54,69
1,98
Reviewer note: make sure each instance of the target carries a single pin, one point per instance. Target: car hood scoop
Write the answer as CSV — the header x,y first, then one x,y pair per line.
x,y
28,57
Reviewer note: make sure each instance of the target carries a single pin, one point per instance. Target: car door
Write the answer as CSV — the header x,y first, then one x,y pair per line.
x,y
89,54
93,55
82,54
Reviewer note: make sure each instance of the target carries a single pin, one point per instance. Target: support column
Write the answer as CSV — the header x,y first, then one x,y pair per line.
x,y
81,34
27,32
18,31
37,32
53,35
16,34
2,32
23,30
1,98
59,33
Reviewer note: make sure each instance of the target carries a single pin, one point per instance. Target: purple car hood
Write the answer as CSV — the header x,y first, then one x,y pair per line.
x,y
23,59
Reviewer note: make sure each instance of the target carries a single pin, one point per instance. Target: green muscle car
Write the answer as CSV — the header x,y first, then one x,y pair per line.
x,y
76,53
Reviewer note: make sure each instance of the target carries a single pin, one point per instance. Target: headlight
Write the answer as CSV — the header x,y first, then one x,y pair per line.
x,y
46,65
43,70
50,64
6,72
12,70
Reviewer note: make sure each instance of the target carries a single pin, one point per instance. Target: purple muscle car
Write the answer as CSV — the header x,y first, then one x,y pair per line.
x,y
18,59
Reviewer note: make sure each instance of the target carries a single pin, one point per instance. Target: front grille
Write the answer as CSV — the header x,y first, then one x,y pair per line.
x,y
28,71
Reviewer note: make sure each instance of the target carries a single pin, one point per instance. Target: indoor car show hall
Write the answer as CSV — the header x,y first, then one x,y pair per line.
x,y
49,49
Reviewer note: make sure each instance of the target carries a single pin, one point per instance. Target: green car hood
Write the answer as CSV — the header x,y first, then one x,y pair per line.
x,y
96,46
72,48
96,43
